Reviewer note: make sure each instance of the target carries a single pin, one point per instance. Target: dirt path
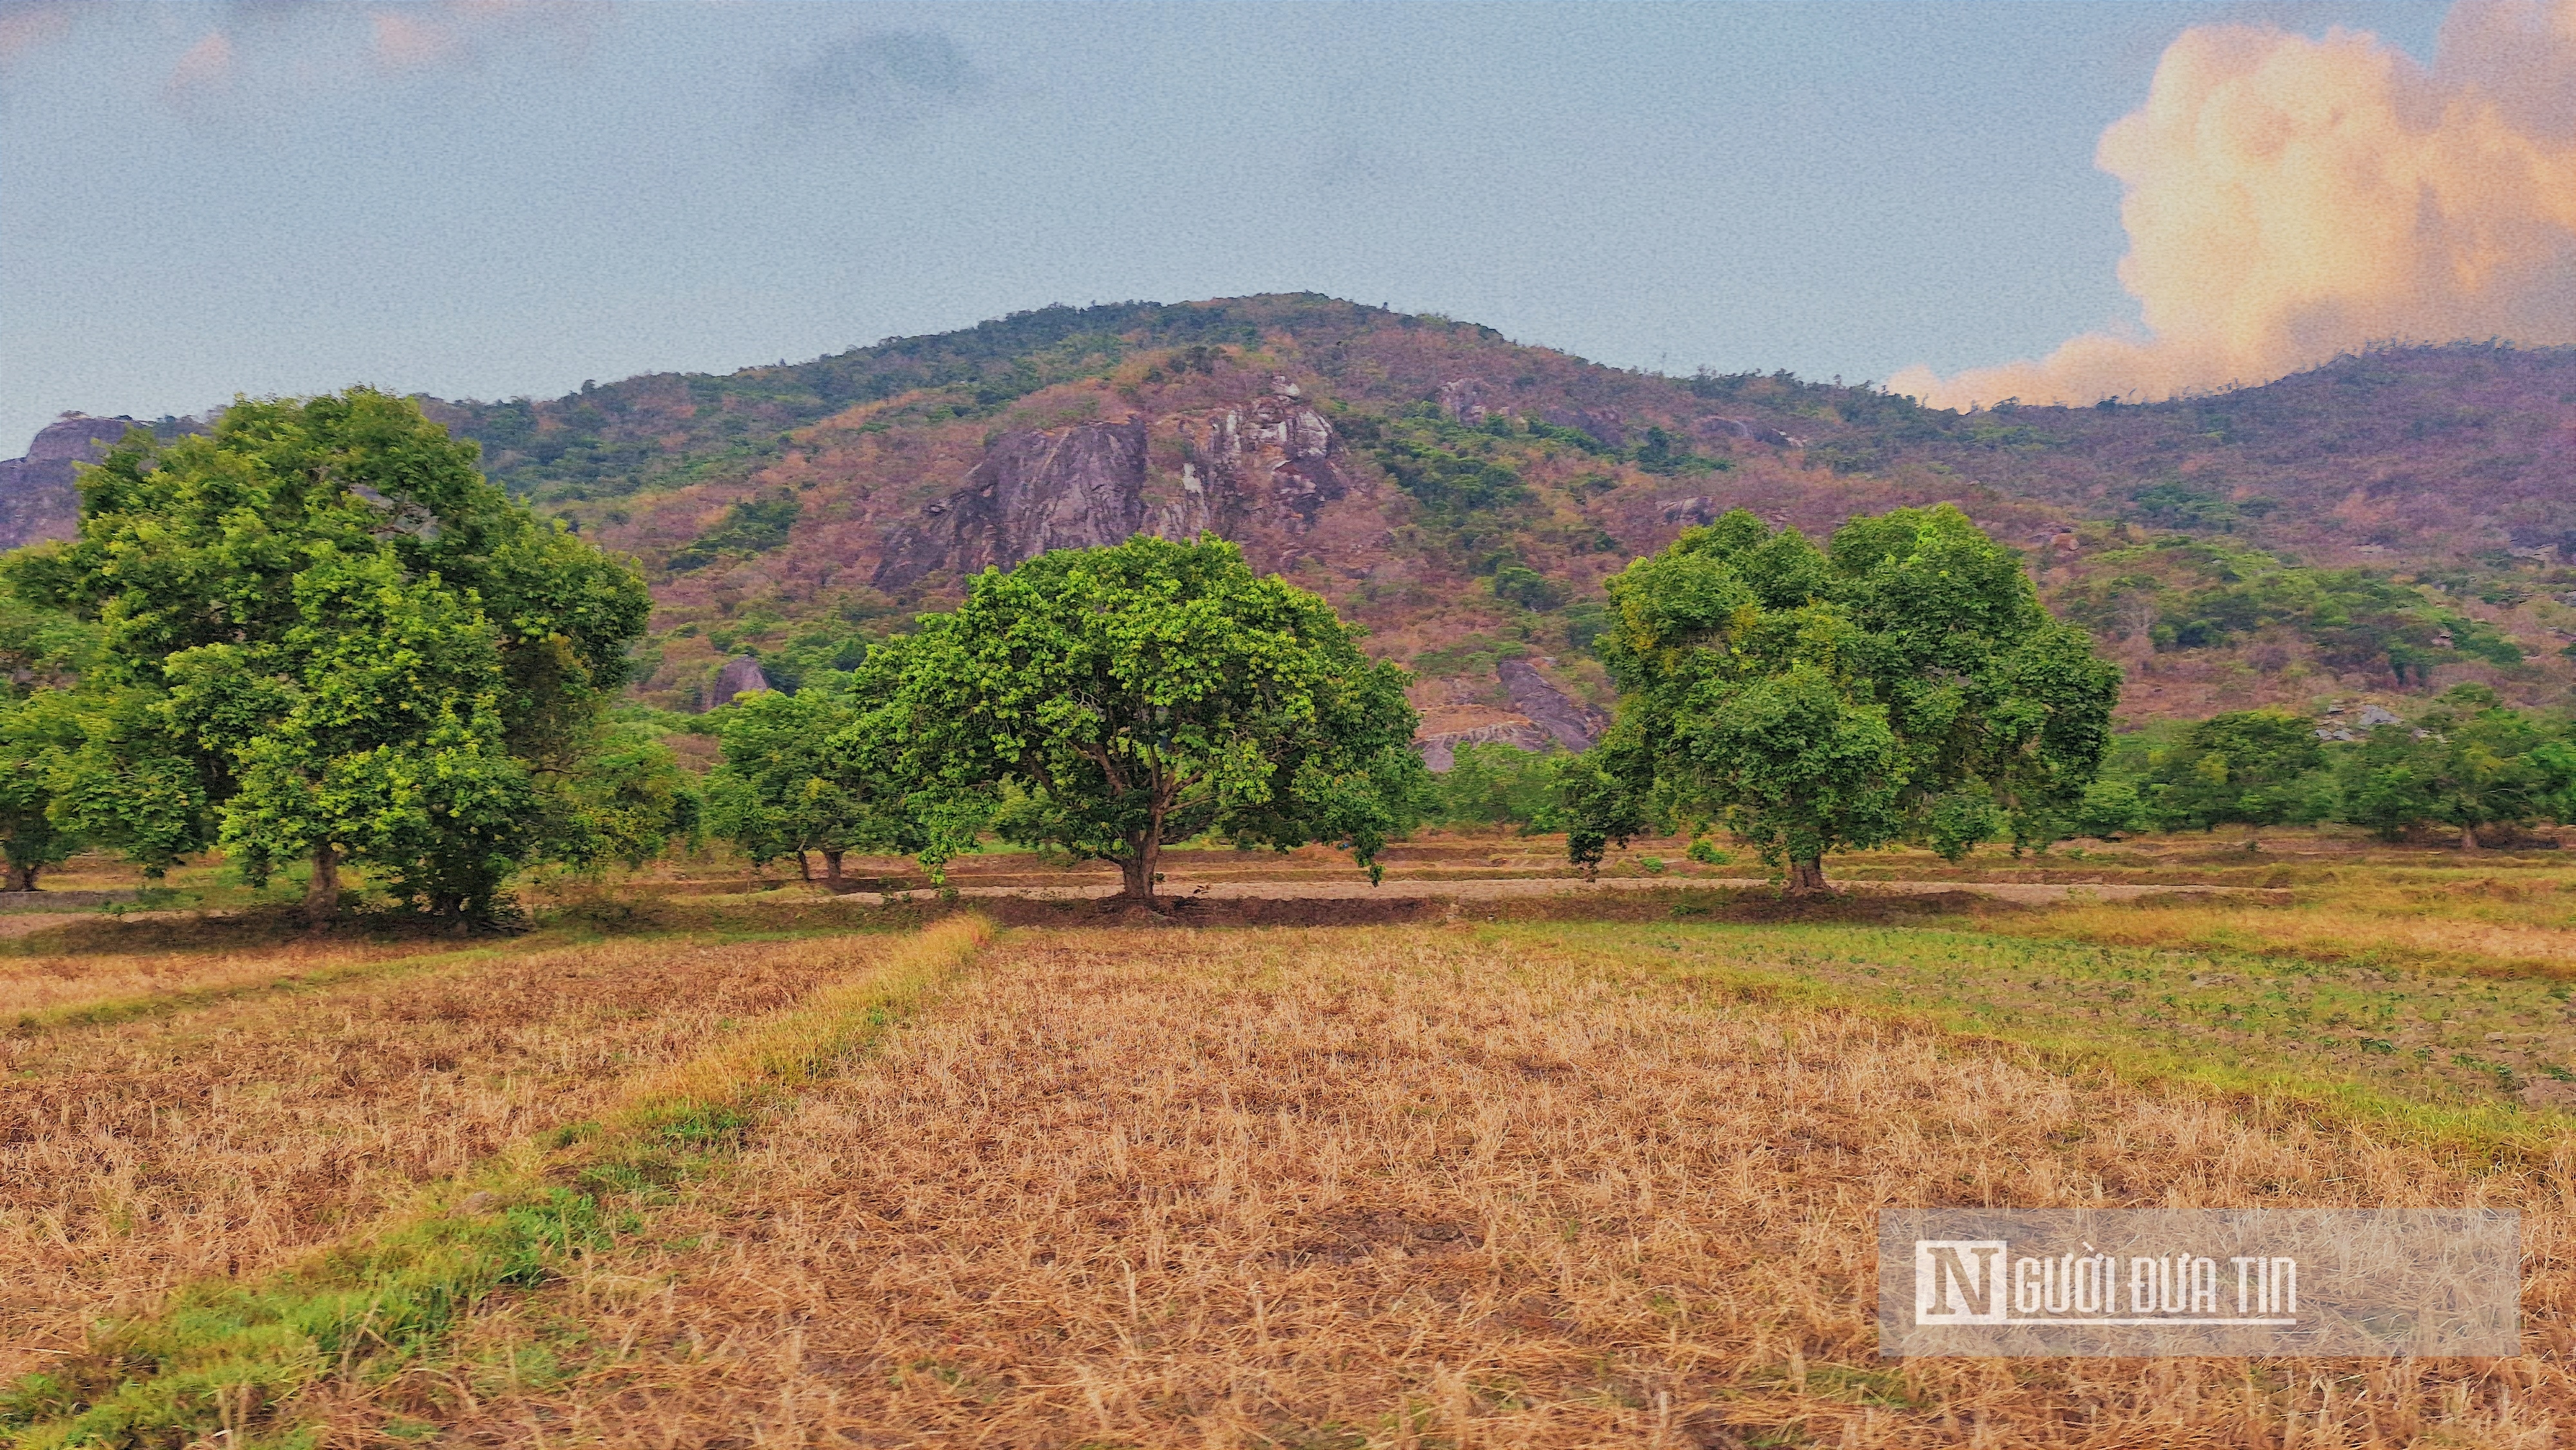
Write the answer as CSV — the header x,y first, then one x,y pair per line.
x,y
1494,889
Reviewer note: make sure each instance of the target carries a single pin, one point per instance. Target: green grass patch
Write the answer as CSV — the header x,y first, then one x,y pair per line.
x,y
2449,1058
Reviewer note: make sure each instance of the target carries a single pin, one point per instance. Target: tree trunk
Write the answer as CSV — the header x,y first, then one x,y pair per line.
x,y
1137,870
832,871
322,889
22,878
1807,877
804,868
2468,838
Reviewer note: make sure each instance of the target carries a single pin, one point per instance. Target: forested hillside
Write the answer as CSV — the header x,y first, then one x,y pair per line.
x,y
2390,523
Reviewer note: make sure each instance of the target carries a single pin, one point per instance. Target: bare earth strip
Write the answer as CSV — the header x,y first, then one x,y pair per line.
x,y
223,1140
1421,1185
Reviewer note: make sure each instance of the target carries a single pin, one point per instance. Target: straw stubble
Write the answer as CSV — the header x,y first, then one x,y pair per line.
x,y
1402,1186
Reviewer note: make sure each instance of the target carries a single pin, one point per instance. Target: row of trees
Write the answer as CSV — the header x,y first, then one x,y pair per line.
x,y
2470,763
317,634
1904,684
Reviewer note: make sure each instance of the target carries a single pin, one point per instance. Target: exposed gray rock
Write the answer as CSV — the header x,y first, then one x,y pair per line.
x,y
1463,399
1571,725
1745,430
1074,488
1269,463
1440,752
38,498
1272,463
741,675
1700,510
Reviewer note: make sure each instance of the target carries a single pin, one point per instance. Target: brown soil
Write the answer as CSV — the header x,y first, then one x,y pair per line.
x,y
1662,904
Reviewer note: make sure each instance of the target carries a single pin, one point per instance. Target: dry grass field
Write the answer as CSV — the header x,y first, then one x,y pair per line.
x,y
682,1175
220,1141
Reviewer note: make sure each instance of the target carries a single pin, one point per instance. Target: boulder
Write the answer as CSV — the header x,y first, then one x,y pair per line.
x,y
1440,748
1570,725
1606,425
1463,399
1272,462
741,675
1744,430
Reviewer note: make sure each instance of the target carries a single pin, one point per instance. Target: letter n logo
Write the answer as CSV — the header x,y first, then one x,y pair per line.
x,y
1959,1281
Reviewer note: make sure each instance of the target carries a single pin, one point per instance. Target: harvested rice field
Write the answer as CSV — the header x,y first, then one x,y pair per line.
x,y
1455,1183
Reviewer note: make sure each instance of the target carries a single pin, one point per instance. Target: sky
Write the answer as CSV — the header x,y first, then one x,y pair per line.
x,y
477,198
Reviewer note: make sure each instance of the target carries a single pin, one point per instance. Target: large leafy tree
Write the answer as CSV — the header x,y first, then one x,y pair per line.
x,y
800,778
2465,764
1906,684
2257,767
42,652
37,732
325,636
1115,701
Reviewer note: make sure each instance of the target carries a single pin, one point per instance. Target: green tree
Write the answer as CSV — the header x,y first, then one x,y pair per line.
x,y
2468,763
37,734
2249,767
1119,700
42,652
1500,785
799,776
625,805
1906,685
324,636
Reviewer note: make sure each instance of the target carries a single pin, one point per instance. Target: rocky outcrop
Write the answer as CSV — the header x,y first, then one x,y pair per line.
x,y
1739,428
38,498
1699,510
1072,488
741,675
1268,465
1463,399
1440,750
1272,463
1569,724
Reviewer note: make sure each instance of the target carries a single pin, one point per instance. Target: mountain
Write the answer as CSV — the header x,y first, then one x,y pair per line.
x,y
38,498
2390,523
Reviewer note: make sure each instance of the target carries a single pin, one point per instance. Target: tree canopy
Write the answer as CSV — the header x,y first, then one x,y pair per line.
x,y
1904,684
1111,702
325,636
806,773
2259,767
2468,763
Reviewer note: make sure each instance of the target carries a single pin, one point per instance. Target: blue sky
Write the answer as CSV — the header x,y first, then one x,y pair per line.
x,y
491,199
